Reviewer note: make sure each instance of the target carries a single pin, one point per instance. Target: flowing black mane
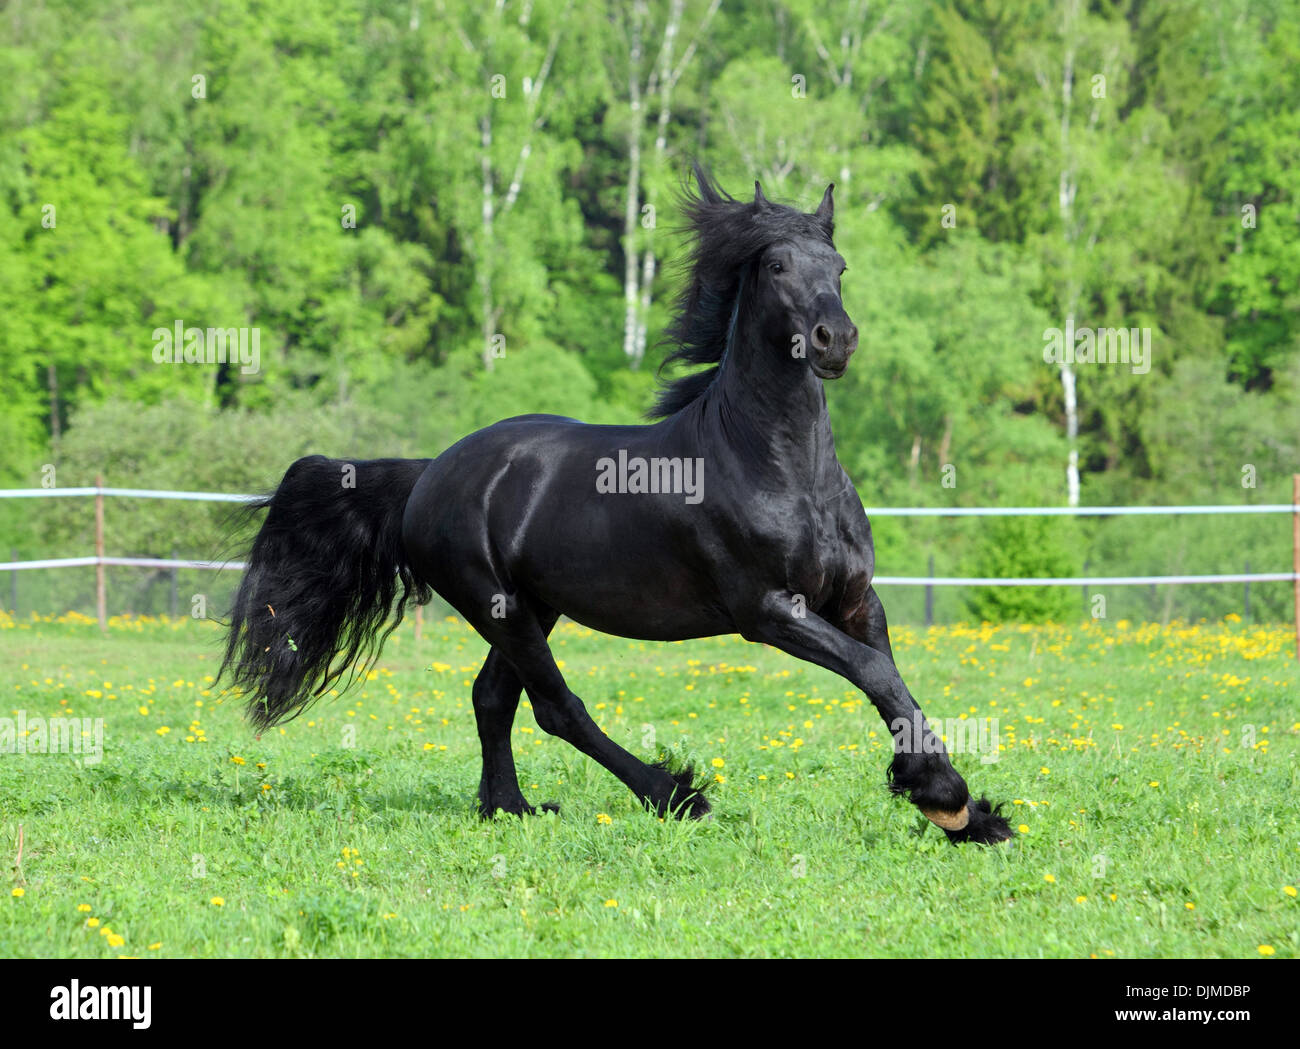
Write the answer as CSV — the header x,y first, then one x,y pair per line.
x,y
727,235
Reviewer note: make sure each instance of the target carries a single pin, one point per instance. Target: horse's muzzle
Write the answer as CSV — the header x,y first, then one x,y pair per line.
x,y
833,342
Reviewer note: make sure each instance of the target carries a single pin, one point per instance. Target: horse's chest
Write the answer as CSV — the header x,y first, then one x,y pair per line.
x,y
815,560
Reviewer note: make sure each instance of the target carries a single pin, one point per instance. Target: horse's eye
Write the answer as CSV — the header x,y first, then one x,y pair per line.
x,y
775,267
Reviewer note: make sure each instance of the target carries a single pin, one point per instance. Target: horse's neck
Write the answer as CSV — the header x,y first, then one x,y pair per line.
x,y
773,412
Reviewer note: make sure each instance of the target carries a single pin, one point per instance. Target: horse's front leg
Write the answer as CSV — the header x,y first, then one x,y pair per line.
x,y
983,823
921,768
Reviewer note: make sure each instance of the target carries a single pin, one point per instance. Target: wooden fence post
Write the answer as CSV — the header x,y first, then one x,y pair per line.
x,y
929,597
101,602
173,599
1295,555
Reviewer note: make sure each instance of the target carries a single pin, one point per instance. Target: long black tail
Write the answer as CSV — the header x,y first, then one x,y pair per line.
x,y
322,580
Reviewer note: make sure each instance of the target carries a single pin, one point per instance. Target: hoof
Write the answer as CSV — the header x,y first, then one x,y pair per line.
x,y
948,820
686,800
984,825
694,807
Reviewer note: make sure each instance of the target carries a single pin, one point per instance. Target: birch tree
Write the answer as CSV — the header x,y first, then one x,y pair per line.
x,y
650,88
499,52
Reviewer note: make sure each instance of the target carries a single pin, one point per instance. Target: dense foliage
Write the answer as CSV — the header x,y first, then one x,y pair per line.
x,y
437,214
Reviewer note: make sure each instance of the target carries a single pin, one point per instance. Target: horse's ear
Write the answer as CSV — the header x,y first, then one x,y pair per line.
x,y
826,209
760,201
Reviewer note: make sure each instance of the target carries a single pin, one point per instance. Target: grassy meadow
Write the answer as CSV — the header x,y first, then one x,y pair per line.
x,y
1151,773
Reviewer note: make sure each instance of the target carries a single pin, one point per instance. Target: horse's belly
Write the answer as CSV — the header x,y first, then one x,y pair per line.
x,y
663,605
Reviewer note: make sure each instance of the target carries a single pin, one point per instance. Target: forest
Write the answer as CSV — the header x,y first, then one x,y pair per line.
x,y
1071,231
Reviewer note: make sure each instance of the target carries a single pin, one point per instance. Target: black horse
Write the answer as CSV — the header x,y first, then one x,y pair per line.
x,y
731,514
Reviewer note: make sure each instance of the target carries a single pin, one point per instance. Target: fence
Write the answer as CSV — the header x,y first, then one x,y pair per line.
x,y
100,560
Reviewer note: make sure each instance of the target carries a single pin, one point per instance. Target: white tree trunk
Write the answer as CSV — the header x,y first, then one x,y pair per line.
x,y
639,253
488,235
632,202
489,311
1067,187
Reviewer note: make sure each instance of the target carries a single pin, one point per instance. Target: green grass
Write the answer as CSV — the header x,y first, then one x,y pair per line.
x,y
1180,827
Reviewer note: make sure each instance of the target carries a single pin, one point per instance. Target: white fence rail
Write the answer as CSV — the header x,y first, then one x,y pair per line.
x,y
100,560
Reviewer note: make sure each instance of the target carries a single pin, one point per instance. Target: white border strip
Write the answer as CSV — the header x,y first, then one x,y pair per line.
x,y
872,511
892,511
142,562
132,493
1071,511
883,580
1119,580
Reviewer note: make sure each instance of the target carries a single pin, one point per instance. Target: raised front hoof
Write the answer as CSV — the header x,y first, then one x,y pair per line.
x,y
984,825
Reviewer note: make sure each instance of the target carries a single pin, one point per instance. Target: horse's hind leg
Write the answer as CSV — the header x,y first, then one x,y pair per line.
x,y
496,699
519,637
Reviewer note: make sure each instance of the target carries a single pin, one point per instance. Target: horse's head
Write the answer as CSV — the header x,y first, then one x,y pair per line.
x,y
798,286
775,266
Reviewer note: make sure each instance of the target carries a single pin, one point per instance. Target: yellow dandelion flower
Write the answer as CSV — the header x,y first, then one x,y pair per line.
x,y
235,759
1081,899
1265,949
20,891
718,763
1023,828
718,777
1190,906
91,923
1289,889
155,946
603,817
614,903
217,901
84,908
115,940
1050,879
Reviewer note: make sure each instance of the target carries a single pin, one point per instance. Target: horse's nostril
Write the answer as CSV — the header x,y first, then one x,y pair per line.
x,y
821,337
